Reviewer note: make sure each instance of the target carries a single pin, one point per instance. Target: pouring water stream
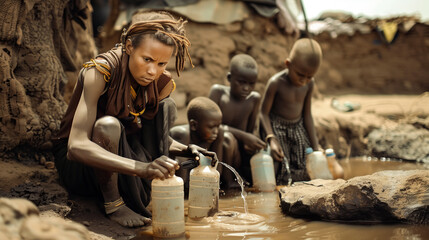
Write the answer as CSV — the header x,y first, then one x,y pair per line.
x,y
241,182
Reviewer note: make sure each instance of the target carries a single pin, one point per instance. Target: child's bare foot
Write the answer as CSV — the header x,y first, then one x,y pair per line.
x,y
128,218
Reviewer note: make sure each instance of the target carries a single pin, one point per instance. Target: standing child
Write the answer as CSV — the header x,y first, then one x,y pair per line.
x,y
204,129
240,105
286,110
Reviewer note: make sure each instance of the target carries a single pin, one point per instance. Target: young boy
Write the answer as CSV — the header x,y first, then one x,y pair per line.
x,y
204,129
286,110
240,105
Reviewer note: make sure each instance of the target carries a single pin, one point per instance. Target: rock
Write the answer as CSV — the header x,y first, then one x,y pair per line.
x,y
42,160
55,209
400,142
50,165
40,193
19,219
386,196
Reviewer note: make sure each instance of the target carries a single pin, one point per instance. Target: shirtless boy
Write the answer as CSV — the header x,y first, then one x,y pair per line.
x,y
286,110
204,129
240,106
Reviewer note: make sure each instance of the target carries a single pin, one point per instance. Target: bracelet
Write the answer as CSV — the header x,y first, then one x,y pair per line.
x,y
269,136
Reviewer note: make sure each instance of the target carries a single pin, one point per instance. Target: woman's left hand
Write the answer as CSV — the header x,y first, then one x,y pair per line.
x,y
195,150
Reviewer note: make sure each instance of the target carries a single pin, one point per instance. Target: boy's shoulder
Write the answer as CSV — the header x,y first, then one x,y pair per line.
x,y
279,76
217,91
219,88
180,133
254,95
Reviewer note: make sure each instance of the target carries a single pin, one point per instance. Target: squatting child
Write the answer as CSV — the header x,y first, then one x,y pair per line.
x,y
204,129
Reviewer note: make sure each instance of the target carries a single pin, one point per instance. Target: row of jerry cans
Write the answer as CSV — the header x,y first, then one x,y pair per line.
x,y
319,166
168,217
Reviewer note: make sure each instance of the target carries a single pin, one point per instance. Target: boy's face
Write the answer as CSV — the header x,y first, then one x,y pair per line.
x,y
207,127
299,74
242,82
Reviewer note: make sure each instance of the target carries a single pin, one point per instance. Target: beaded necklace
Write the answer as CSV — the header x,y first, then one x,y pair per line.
x,y
133,97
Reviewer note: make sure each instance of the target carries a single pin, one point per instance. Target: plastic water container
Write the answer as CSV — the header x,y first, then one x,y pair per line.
x,y
203,200
168,213
317,165
262,168
335,168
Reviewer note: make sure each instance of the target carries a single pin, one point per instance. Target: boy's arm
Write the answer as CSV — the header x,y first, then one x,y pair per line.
x,y
267,103
256,98
216,146
251,141
308,118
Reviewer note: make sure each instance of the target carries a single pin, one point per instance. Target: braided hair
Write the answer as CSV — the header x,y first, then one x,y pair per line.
x,y
163,27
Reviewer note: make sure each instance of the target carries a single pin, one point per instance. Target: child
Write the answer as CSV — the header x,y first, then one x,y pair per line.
x,y
240,105
204,129
286,110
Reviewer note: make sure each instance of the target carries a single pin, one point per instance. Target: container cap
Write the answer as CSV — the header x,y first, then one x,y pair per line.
x,y
308,150
266,150
205,161
329,152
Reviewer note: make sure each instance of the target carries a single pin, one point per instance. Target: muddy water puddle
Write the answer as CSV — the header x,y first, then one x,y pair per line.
x,y
361,166
265,220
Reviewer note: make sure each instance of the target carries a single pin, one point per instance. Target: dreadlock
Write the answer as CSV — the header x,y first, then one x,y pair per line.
x,y
163,27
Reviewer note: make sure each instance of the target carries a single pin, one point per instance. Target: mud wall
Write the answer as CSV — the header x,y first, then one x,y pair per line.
x,y
40,43
360,64
364,64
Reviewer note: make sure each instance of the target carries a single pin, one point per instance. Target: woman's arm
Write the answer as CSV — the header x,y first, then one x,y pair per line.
x,y
81,148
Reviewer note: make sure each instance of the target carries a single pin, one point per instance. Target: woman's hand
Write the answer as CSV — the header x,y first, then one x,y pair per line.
x,y
162,167
195,151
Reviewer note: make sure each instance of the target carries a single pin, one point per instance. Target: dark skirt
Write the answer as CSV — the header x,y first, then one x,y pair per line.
x,y
294,140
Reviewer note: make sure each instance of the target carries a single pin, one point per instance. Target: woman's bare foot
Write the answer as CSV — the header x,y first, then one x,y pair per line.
x,y
128,218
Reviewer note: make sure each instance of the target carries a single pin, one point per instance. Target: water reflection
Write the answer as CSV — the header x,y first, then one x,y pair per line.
x,y
265,220
361,166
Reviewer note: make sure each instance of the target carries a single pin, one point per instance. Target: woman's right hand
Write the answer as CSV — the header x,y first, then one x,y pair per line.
x,y
162,168
276,150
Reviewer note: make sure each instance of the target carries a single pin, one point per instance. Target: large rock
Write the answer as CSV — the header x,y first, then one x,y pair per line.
x,y
400,142
19,219
386,196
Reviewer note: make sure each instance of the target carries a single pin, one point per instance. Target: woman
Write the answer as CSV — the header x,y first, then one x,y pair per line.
x,y
115,130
